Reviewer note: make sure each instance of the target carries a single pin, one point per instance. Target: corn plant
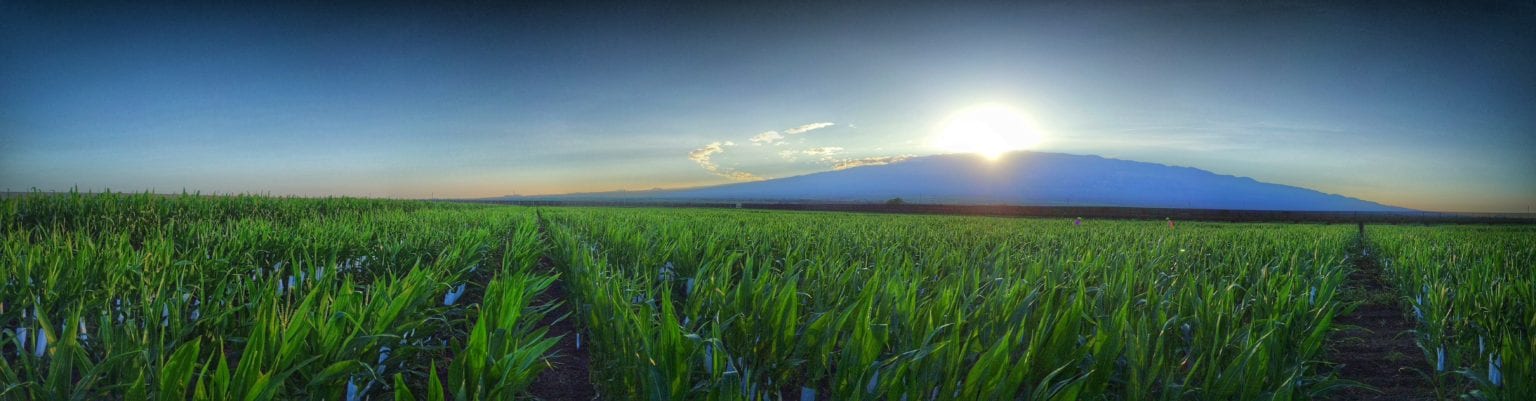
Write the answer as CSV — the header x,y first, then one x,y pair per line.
x,y
1472,291
143,296
752,305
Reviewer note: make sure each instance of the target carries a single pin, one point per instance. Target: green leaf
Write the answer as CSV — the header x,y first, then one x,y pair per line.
x,y
176,375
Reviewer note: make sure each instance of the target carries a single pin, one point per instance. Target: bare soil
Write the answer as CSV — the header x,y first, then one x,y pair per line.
x,y
1375,346
570,376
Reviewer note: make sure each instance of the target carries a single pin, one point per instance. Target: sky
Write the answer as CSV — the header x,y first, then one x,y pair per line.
x,y
1423,106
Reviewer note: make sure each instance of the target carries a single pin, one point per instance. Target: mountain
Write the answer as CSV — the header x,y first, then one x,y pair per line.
x,y
1020,178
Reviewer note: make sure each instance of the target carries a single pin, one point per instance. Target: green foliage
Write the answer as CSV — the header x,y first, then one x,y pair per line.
x,y
146,297
727,305
1473,292
503,353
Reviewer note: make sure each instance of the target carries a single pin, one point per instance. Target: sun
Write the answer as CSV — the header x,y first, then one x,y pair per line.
x,y
989,130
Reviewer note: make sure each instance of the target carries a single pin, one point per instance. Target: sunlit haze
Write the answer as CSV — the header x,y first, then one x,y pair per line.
x,y
1428,106
989,130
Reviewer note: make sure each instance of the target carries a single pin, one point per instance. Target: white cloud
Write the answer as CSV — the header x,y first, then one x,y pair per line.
x,y
868,161
704,157
822,151
777,137
741,176
806,128
767,137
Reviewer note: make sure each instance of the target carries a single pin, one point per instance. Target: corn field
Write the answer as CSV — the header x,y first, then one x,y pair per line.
x,y
252,298
731,305
137,297
1472,292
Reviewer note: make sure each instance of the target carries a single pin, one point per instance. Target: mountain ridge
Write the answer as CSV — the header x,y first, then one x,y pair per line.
x,y
1019,178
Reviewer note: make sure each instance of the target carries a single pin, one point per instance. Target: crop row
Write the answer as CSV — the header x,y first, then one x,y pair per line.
x,y
727,305
245,297
1473,292
185,297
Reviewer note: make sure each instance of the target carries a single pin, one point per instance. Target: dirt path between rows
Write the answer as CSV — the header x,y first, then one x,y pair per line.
x,y
1375,347
570,378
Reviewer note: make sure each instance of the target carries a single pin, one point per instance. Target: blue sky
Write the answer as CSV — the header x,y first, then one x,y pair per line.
x,y
1419,106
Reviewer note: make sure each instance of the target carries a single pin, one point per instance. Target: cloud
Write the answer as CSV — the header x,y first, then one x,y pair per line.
x,y
767,137
868,161
807,128
822,151
741,176
777,137
704,157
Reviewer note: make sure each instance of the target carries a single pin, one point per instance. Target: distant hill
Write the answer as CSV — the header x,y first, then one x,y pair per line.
x,y
1020,178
